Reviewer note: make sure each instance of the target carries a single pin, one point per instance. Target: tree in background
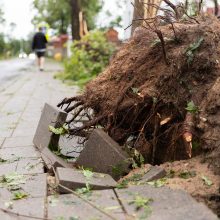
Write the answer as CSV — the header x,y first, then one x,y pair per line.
x,y
59,14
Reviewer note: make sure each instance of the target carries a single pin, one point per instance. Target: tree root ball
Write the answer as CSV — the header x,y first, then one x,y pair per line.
x,y
165,110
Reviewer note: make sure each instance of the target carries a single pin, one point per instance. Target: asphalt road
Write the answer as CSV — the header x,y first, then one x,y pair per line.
x,y
12,68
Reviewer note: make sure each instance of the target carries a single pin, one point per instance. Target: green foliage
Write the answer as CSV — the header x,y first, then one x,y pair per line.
x,y
19,195
157,183
142,203
59,131
187,174
190,52
207,181
191,107
89,57
57,13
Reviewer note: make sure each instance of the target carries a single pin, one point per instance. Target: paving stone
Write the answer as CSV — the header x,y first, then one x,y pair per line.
x,y
33,207
33,185
74,179
30,166
18,142
154,173
5,132
69,205
166,204
1,141
7,168
50,116
53,161
23,132
27,152
104,155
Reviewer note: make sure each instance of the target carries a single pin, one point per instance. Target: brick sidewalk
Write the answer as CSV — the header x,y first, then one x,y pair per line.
x,y
21,102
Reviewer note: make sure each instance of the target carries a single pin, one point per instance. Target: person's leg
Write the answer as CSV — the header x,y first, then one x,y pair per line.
x,y
38,59
42,63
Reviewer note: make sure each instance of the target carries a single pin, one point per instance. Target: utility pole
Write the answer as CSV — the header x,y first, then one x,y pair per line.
x,y
75,10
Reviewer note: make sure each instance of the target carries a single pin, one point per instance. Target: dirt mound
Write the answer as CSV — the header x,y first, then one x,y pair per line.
x,y
164,103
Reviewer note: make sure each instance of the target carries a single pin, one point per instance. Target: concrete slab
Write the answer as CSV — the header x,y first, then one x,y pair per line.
x,y
154,173
33,185
1,141
33,207
166,204
53,161
104,155
30,166
27,152
50,116
74,179
69,205
18,142
7,168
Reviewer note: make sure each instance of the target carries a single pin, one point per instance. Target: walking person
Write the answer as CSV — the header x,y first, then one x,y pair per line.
x,y
39,46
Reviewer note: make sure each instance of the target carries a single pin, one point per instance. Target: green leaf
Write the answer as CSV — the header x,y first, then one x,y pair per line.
x,y
157,183
19,195
140,202
87,173
207,181
187,174
191,107
135,90
59,131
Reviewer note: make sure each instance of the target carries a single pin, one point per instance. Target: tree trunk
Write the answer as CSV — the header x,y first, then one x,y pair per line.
x,y
138,13
75,19
216,7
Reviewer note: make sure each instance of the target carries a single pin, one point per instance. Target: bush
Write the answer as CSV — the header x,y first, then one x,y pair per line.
x,y
89,57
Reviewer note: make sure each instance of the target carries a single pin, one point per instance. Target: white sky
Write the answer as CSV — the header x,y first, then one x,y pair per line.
x,y
20,12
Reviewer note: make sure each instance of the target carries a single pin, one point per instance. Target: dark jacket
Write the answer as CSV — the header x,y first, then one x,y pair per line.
x,y
39,41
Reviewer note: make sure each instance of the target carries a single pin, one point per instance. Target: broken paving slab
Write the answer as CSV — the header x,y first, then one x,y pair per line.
x,y
70,206
104,155
50,116
74,179
162,203
155,172
53,161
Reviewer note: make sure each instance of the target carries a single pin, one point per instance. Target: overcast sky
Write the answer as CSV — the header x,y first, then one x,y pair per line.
x,y
21,12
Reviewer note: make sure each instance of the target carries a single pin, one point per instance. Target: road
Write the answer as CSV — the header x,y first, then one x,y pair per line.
x,y
10,69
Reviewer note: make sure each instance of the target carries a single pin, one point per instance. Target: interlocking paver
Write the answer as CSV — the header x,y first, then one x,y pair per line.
x,y
163,203
7,168
30,166
67,206
33,207
24,152
18,142
32,185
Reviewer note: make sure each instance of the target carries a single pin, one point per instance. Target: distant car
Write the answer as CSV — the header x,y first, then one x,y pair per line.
x,y
31,56
22,55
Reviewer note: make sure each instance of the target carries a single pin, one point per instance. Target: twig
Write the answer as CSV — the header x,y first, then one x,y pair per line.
x,y
22,215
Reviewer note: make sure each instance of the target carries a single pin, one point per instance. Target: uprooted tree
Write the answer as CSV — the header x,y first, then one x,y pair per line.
x,y
161,93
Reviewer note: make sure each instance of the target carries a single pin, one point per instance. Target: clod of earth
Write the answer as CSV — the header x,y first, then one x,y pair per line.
x,y
155,106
